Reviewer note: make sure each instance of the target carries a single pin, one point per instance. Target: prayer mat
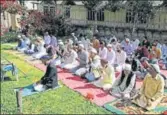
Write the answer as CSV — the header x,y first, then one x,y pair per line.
x,y
117,107
29,90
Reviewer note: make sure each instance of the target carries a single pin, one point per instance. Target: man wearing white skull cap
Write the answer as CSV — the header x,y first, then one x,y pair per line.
x,y
152,90
125,84
83,60
93,73
110,54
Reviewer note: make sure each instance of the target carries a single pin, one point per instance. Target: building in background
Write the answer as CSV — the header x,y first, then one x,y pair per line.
x,y
119,23
9,20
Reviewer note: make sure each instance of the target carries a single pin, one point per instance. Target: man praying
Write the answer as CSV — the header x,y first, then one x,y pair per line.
x,y
83,59
152,90
125,84
110,55
107,74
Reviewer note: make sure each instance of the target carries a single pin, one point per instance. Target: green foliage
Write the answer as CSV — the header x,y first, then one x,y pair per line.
x,y
90,4
9,37
60,101
141,11
114,5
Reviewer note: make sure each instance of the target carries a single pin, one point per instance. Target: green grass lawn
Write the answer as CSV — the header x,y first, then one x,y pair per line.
x,y
60,101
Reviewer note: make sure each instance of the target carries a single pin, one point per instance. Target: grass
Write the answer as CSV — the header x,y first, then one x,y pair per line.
x,y
60,101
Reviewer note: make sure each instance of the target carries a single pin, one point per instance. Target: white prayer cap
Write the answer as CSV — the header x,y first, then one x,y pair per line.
x,y
81,45
156,67
127,67
59,40
127,39
19,36
93,50
23,36
79,42
109,45
72,34
60,43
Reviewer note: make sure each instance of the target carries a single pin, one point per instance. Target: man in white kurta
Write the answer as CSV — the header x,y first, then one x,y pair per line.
x,y
102,51
83,59
47,38
135,44
41,49
110,55
122,88
70,59
120,59
128,47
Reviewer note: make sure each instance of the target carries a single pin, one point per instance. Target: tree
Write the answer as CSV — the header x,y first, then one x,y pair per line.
x,y
39,23
141,11
90,4
114,5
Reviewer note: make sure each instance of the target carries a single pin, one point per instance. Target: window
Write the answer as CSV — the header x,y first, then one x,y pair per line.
x,y
52,11
129,16
46,10
100,15
49,10
67,12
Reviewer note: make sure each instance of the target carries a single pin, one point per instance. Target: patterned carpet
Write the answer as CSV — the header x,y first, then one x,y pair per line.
x,y
118,107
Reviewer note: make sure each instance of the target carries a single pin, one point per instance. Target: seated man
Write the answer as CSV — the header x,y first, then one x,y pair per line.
x,y
125,84
102,50
152,90
60,50
107,76
120,59
83,60
50,55
41,50
155,52
49,80
128,47
70,58
21,44
30,49
110,55
93,73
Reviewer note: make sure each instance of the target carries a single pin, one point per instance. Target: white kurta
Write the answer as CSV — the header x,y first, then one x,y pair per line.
x,y
41,51
70,60
47,39
103,53
110,57
135,44
117,89
164,50
120,60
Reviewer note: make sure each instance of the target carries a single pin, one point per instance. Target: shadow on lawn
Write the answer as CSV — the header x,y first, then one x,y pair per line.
x,y
86,87
6,78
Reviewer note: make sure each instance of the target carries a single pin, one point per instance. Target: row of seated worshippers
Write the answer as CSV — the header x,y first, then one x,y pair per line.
x,y
98,63
99,69
38,48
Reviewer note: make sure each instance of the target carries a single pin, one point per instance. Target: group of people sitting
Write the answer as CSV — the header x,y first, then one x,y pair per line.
x,y
97,61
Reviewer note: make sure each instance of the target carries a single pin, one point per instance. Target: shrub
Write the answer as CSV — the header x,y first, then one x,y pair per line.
x,y
9,37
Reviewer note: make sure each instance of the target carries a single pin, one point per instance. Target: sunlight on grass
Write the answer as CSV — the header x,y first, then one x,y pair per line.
x,y
60,101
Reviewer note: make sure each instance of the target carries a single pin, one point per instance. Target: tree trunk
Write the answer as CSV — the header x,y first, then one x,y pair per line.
x,y
95,25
